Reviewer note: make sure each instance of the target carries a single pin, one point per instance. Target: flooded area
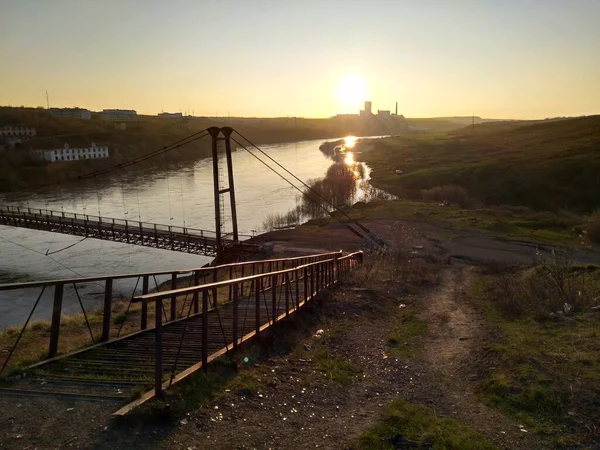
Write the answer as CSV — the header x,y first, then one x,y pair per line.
x,y
180,196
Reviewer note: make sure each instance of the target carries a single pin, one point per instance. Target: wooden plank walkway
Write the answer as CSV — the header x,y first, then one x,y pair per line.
x,y
151,359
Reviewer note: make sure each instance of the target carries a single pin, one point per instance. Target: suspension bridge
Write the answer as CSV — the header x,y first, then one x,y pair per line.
x,y
173,323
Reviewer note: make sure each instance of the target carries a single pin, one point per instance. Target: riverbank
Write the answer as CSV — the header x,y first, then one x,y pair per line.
x,y
149,133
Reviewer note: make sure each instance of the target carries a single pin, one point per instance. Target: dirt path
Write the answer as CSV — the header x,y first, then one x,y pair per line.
x,y
457,335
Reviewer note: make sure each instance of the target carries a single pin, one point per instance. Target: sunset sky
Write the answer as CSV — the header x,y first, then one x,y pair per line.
x,y
312,58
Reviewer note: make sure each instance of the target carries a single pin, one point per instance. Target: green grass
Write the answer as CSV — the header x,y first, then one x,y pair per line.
x,y
406,425
404,340
335,367
546,373
548,165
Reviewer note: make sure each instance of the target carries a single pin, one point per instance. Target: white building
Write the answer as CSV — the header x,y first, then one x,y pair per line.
x,y
119,114
71,113
70,154
166,115
9,131
384,113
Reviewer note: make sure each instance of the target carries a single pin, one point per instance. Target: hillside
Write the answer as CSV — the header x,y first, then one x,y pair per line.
x,y
545,165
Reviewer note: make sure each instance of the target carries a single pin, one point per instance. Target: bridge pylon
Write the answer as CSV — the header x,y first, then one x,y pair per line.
x,y
223,185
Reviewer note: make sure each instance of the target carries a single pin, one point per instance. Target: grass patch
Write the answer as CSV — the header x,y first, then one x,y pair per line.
x,y
335,367
404,340
406,425
546,370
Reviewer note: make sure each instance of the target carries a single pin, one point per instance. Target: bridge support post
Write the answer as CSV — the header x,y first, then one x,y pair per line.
x,y
55,327
227,133
220,135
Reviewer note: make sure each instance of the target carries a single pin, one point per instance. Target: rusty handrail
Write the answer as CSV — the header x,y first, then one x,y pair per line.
x,y
30,284
194,289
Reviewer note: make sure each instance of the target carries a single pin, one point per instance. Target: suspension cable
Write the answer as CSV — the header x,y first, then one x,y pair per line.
x,y
361,226
357,233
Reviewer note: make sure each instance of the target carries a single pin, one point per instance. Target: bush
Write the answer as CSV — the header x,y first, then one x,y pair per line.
x,y
593,227
452,193
555,284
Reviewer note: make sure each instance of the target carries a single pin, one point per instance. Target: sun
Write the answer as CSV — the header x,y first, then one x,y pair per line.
x,y
352,91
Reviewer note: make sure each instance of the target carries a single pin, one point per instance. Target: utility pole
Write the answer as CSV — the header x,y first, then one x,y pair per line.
x,y
47,101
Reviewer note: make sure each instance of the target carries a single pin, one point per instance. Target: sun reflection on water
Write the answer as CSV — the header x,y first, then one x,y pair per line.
x,y
349,159
350,141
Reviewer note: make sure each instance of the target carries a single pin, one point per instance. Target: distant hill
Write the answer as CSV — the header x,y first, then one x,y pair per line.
x,y
546,165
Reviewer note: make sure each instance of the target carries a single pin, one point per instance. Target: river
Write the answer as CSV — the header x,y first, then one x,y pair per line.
x,y
180,196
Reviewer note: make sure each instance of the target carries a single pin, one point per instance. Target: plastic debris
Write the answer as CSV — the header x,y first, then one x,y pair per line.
x,y
183,421
401,306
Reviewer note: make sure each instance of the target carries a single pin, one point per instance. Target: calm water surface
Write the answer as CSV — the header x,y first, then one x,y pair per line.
x,y
180,196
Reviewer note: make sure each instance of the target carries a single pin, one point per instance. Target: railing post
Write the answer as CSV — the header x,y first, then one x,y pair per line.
x,y
127,230
55,327
195,297
174,297
205,330
145,285
257,306
273,297
107,309
297,279
287,294
318,275
215,290
158,369
235,317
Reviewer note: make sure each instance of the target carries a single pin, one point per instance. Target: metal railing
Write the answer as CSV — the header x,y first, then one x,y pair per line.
x,y
271,296
109,299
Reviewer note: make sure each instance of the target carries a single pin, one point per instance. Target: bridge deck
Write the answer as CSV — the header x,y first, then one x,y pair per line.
x,y
112,371
168,237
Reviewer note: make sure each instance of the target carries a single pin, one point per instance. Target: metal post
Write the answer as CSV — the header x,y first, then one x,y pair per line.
x,y
195,297
296,276
158,367
107,309
205,330
318,268
145,286
257,306
214,134
227,133
287,294
235,317
55,327
174,297
274,297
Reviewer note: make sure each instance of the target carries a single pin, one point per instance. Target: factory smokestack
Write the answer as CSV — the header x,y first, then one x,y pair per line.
x,y
396,108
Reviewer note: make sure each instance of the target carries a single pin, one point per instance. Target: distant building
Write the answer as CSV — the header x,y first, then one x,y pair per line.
x,y
367,111
384,113
70,154
71,113
119,114
166,115
120,126
9,131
